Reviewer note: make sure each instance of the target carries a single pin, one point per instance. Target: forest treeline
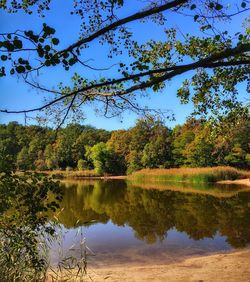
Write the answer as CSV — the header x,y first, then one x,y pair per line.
x,y
149,144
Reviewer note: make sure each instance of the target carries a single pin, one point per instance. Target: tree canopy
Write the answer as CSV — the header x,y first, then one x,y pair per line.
x,y
211,58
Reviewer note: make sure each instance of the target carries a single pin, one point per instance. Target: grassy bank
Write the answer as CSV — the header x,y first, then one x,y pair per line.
x,y
72,174
191,175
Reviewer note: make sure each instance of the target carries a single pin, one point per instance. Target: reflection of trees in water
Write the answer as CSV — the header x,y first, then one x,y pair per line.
x,y
151,213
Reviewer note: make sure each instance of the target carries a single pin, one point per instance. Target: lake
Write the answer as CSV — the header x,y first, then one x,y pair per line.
x,y
125,222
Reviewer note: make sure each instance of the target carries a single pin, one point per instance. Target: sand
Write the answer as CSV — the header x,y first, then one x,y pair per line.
x,y
237,181
233,266
223,267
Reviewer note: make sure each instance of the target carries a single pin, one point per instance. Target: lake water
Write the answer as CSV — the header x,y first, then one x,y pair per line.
x,y
126,222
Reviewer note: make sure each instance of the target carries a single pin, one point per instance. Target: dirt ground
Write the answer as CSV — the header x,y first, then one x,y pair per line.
x,y
230,267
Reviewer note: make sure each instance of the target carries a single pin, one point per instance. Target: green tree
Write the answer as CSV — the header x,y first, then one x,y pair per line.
x,y
183,135
64,145
36,147
82,164
237,156
120,143
100,157
23,159
199,153
157,153
7,161
134,162
146,130
50,157
231,141
104,159
89,137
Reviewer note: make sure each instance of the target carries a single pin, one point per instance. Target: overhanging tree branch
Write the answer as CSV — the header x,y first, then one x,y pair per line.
x,y
212,61
134,17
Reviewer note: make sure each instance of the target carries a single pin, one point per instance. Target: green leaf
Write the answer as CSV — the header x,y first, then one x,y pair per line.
x,y
20,69
218,7
211,5
4,58
243,5
65,55
47,47
28,67
9,46
72,61
196,17
193,7
55,41
47,63
20,61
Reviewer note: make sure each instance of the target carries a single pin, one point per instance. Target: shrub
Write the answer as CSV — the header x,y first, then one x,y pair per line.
x,y
82,164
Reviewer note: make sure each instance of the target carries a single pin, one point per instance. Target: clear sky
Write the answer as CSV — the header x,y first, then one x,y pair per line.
x,y
17,95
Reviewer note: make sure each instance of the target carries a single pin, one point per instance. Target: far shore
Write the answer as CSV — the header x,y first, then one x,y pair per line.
x,y
221,267
173,175
78,176
245,181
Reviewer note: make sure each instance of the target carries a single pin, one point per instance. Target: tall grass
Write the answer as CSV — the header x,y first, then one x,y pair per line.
x,y
71,267
72,174
192,175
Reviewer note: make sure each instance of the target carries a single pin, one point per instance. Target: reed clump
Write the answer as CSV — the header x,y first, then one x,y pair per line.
x,y
192,175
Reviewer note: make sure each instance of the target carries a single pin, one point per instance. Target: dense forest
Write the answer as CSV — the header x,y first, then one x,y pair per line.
x,y
149,144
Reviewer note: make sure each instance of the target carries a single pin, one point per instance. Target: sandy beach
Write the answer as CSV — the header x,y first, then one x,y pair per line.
x,y
232,266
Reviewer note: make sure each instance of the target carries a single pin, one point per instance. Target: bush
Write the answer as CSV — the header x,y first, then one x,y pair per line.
x,y
82,164
23,232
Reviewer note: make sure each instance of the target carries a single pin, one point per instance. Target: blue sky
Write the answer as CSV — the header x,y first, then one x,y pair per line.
x,y
16,95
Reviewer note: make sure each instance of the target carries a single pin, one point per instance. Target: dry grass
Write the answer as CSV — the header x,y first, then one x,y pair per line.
x,y
195,175
189,171
72,174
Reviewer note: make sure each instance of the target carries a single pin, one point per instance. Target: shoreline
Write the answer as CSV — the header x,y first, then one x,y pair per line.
x,y
196,176
219,267
245,181
64,176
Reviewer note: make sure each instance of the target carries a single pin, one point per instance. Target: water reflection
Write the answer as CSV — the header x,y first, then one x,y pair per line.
x,y
152,213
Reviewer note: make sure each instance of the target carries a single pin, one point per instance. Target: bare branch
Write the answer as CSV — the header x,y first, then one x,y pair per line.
x,y
67,112
90,67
